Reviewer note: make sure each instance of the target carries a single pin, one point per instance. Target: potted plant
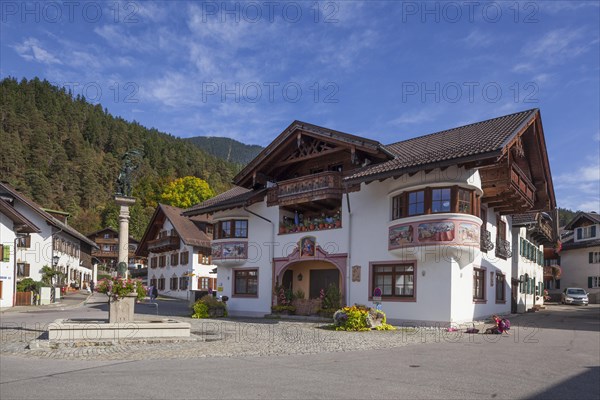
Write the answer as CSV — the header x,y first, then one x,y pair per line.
x,y
122,294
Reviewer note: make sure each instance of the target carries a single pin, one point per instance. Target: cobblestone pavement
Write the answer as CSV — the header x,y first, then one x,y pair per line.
x,y
211,338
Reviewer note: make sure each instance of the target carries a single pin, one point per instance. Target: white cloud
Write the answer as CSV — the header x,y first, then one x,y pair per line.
x,y
555,7
412,118
580,189
559,45
478,38
31,50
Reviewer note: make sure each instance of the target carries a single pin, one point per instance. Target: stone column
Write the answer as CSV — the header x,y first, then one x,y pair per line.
x,y
124,202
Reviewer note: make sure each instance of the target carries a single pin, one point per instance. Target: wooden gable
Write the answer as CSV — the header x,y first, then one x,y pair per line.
x,y
305,149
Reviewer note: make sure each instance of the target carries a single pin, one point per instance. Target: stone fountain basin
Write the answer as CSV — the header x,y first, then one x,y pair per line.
x,y
89,329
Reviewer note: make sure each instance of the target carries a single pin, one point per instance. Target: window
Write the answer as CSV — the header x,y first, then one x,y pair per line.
x,y
593,282
395,281
162,261
22,270
500,288
107,236
594,257
203,259
398,206
431,201
586,232
153,262
183,283
161,284
464,201
231,229
185,258
416,203
203,283
24,242
246,282
174,283
478,285
152,283
175,259
440,200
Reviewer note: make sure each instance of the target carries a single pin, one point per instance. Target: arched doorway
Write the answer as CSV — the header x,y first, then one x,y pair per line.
x,y
311,274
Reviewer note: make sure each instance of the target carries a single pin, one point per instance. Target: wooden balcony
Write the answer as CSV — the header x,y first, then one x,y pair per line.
x,y
165,243
305,189
507,189
542,232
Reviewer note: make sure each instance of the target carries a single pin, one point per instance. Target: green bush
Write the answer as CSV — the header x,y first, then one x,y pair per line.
x,y
332,298
29,285
209,307
280,309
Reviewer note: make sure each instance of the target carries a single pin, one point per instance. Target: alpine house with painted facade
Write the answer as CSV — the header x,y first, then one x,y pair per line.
x,y
425,220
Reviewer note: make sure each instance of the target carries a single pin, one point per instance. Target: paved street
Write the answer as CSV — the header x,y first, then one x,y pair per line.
x,y
552,354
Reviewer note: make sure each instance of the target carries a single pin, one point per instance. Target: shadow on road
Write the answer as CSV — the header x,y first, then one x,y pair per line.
x,y
585,385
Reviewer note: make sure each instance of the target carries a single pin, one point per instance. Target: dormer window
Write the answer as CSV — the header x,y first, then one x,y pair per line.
x,y
586,232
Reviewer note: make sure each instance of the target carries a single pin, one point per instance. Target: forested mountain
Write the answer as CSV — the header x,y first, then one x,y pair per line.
x,y
66,153
227,149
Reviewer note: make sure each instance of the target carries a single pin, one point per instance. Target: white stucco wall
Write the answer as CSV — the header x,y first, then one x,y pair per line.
x,y
522,266
7,238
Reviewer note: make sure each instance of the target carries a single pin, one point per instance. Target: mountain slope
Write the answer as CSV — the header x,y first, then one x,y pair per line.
x,y
66,153
227,149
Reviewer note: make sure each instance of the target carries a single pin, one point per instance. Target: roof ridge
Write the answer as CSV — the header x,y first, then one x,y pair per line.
x,y
461,127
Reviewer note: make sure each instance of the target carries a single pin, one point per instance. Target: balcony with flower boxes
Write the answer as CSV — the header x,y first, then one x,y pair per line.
x,y
321,187
165,242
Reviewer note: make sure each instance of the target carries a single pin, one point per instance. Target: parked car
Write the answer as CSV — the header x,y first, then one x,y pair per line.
x,y
574,296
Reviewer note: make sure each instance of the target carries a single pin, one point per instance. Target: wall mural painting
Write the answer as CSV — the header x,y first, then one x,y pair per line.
x,y
468,232
234,250
400,235
216,250
436,232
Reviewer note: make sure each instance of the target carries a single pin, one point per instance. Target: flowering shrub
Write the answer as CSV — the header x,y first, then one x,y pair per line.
x,y
120,287
360,318
209,307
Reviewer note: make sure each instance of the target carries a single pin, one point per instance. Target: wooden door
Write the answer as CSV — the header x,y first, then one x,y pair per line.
x,y
321,279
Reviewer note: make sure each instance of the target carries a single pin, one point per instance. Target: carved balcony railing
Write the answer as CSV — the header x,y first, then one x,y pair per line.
x,y
165,243
507,188
486,240
325,185
503,249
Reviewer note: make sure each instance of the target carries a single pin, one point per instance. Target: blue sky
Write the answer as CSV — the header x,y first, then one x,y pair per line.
x,y
385,70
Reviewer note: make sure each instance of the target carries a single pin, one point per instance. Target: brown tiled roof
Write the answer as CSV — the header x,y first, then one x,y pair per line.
x,y
46,216
480,140
235,197
187,230
24,225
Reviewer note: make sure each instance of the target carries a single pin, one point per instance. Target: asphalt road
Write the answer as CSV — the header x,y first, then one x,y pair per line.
x,y
554,354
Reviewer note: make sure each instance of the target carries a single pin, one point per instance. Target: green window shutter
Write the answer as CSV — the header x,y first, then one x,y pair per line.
x,y
594,231
579,232
558,283
6,253
591,260
589,281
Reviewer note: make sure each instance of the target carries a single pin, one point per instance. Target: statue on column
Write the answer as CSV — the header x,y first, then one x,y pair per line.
x,y
130,163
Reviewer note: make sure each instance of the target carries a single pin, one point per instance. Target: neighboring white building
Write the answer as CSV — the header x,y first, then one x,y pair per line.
x,y
580,255
178,251
534,234
54,243
14,228
426,220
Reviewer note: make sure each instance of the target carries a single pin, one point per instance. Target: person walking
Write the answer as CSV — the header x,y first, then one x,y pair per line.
x,y
92,286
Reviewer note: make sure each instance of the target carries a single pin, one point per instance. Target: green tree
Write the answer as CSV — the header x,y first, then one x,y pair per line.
x,y
185,192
